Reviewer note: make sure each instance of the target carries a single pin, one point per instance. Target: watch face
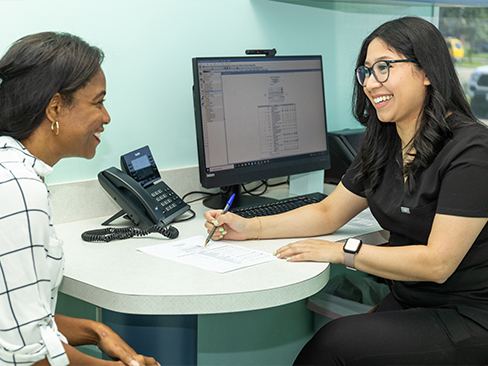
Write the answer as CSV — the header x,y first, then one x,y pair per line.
x,y
352,245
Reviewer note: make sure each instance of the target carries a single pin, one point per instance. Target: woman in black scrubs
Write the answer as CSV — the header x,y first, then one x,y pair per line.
x,y
423,171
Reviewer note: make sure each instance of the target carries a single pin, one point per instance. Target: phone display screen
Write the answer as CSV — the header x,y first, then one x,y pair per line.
x,y
140,165
142,168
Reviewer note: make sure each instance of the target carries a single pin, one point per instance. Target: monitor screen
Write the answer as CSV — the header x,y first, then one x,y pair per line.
x,y
258,118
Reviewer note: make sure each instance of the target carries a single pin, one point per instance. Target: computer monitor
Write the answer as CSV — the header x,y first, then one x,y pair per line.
x,y
258,118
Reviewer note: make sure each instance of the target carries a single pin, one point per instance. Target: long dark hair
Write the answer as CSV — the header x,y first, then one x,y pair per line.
x,y
420,41
34,69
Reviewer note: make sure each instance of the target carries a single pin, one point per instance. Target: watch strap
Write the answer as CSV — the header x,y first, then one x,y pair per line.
x,y
349,260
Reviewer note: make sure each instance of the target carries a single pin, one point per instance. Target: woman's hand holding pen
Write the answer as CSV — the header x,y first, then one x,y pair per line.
x,y
230,226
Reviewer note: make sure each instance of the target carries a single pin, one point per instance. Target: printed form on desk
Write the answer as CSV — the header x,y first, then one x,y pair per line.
x,y
217,256
363,220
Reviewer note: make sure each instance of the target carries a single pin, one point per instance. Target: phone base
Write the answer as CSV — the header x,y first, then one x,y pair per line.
x,y
114,217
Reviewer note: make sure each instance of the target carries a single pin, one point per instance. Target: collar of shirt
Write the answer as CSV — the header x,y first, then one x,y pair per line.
x,y
16,147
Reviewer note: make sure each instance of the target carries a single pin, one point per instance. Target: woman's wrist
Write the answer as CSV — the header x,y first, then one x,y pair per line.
x,y
79,331
94,332
101,331
260,228
257,228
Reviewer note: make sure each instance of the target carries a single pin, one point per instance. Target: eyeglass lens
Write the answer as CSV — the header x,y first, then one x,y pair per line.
x,y
380,69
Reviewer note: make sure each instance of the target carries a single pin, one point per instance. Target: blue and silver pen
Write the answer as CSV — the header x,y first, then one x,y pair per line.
x,y
226,208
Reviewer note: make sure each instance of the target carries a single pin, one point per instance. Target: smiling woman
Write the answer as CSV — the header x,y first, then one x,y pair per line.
x,y
62,112
422,170
73,129
398,98
51,107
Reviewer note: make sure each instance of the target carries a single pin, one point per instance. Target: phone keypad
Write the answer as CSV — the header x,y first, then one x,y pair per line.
x,y
166,197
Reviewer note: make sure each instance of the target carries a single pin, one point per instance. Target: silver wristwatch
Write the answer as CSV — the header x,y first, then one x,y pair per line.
x,y
351,248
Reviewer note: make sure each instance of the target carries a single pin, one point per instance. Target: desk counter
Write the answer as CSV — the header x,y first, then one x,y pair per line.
x,y
184,315
118,277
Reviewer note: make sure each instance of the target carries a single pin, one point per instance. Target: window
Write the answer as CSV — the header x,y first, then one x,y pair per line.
x,y
466,32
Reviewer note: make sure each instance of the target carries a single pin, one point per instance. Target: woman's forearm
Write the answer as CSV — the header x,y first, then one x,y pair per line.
x,y
76,357
307,221
78,331
316,219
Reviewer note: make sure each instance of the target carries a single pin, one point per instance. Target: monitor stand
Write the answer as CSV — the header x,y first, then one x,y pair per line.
x,y
240,200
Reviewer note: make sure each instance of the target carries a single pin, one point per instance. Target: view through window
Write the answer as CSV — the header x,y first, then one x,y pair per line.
x,y
466,32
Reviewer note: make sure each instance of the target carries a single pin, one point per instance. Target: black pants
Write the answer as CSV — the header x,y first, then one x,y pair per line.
x,y
392,335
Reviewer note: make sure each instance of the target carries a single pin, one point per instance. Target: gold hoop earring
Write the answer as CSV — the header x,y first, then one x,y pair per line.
x,y
57,128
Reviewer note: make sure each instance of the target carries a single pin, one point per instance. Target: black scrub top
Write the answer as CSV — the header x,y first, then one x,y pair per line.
x,y
456,183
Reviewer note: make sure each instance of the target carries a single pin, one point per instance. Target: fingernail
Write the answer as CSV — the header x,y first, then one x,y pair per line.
x,y
215,222
288,259
221,236
278,255
224,232
274,253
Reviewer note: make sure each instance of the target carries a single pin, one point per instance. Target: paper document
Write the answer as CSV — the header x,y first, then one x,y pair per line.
x,y
362,220
217,256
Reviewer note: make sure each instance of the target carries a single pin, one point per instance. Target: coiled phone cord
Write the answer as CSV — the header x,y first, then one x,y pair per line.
x,y
109,234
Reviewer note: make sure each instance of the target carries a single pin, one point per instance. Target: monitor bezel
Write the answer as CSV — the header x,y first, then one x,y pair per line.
x,y
218,179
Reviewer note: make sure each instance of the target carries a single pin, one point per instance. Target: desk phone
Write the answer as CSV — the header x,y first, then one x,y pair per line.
x,y
140,192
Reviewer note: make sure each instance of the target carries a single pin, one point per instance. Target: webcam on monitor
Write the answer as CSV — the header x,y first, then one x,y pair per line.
x,y
267,53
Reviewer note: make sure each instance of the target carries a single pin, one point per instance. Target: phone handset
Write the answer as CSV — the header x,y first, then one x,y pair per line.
x,y
136,202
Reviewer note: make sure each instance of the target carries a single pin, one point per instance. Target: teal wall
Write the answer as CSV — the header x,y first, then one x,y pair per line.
x,y
149,45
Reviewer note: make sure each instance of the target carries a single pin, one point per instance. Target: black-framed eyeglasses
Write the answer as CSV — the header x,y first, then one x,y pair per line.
x,y
380,71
